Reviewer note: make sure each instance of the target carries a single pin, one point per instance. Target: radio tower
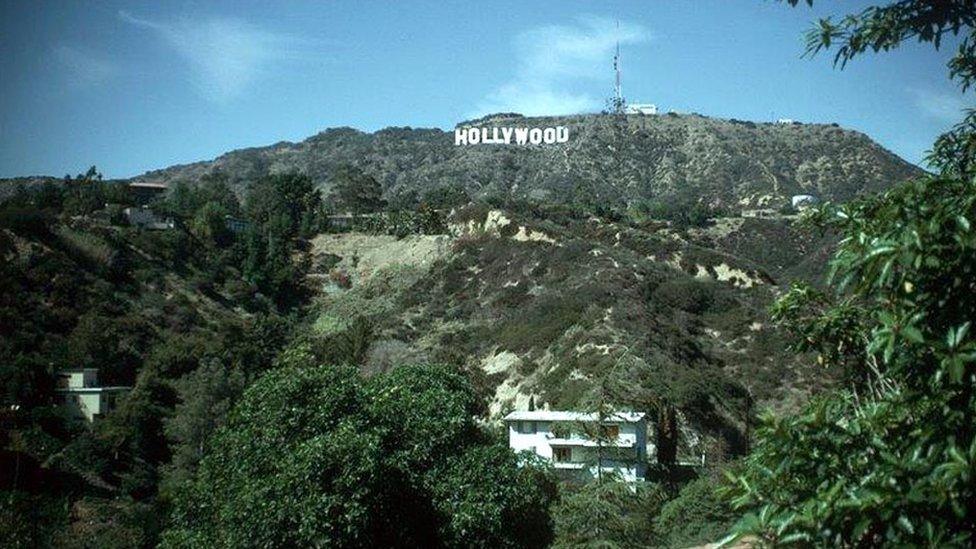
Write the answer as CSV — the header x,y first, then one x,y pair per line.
x,y
618,97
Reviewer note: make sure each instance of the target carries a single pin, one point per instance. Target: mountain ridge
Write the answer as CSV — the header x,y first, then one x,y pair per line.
x,y
615,159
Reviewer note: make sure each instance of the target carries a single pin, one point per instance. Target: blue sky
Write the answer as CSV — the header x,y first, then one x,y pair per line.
x,y
134,86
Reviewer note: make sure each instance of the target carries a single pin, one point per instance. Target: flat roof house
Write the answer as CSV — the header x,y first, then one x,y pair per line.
x,y
569,440
144,192
81,395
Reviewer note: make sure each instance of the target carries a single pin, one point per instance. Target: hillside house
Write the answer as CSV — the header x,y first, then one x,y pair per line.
x,y
145,218
80,394
342,222
568,440
235,225
144,192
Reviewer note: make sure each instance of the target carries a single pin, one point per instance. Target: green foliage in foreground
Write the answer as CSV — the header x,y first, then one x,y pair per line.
x,y
315,455
698,515
892,460
607,514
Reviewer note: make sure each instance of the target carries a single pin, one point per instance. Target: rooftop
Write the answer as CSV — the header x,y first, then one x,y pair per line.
x,y
552,415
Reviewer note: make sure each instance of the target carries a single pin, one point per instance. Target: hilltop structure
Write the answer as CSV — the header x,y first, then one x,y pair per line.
x,y
564,438
618,103
641,108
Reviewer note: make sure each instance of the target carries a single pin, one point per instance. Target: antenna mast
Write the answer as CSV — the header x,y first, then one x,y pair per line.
x,y
618,97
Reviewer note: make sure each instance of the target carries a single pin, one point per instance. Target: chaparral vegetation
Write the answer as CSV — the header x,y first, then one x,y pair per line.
x,y
316,343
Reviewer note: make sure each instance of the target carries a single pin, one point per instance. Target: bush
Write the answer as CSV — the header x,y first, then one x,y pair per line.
x,y
689,295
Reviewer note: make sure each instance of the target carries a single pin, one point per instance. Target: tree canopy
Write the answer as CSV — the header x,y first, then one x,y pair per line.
x,y
356,190
314,455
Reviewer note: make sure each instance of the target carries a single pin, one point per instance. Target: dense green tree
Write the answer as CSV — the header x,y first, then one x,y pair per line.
x,y
206,395
490,500
184,200
210,226
135,434
697,515
315,456
279,208
890,459
445,197
289,203
607,513
356,190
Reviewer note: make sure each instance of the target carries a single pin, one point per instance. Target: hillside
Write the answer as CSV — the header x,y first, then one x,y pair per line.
x,y
552,307
538,287
726,163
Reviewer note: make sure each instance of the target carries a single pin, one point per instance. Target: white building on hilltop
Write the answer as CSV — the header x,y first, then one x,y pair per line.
x,y
641,108
566,439
81,395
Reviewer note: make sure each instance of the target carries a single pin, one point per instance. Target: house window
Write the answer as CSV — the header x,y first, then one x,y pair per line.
x,y
526,427
562,455
611,432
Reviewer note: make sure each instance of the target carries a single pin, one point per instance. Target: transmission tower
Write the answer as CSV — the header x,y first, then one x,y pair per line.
x,y
618,96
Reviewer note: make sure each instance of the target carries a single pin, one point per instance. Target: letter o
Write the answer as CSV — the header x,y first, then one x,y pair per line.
x,y
549,135
535,136
474,136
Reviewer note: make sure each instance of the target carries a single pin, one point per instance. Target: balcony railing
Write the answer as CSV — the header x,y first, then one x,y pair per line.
x,y
621,442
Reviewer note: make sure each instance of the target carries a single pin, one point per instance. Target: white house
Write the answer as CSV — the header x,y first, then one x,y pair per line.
x,y
81,395
567,439
641,108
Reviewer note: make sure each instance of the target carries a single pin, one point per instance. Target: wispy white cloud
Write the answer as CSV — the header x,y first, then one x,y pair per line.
x,y
552,58
81,67
943,106
226,56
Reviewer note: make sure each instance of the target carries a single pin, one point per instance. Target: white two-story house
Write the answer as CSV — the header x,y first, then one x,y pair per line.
x,y
580,445
81,395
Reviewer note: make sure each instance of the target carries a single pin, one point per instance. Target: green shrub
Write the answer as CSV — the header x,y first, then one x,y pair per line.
x,y
541,321
697,516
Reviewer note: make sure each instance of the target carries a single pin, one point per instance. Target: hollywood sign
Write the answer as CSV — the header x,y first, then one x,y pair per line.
x,y
511,136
